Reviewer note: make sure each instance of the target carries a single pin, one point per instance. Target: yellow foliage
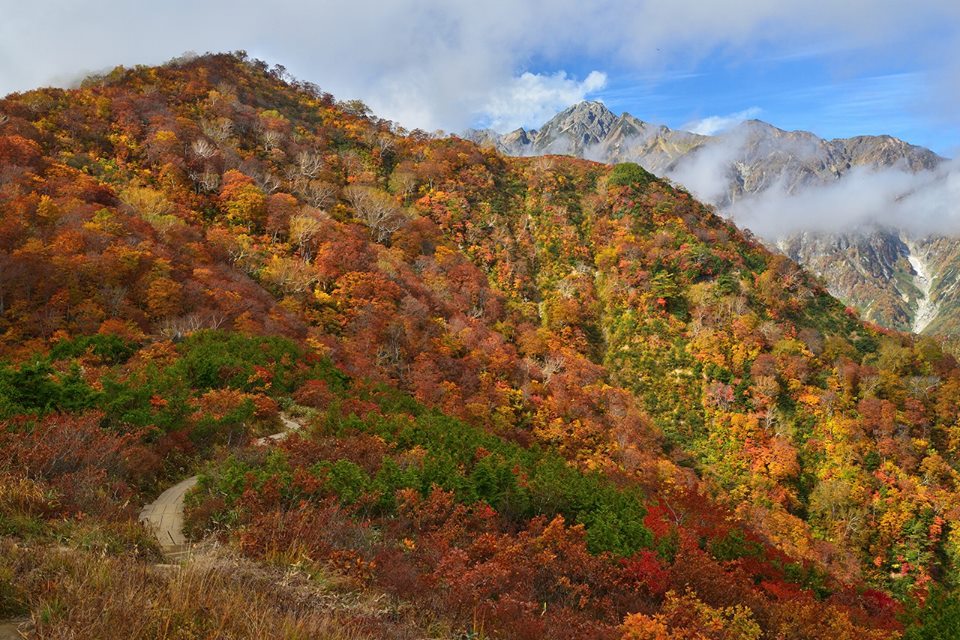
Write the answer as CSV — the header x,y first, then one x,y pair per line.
x,y
163,297
165,137
47,210
686,617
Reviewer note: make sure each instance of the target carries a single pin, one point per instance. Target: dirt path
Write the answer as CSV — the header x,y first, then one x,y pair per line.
x,y
289,426
164,516
10,629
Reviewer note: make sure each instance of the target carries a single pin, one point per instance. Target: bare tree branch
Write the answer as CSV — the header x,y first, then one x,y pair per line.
x,y
377,209
309,164
204,149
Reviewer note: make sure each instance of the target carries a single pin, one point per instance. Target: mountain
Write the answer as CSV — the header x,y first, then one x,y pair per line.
x,y
534,397
588,129
891,276
895,276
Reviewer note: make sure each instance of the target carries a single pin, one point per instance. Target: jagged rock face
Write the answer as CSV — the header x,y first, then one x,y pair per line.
x,y
590,130
885,151
893,277
940,258
581,126
869,270
761,156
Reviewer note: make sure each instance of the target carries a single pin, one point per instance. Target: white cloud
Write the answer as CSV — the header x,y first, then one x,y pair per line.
x,y
430,63
706,172
531,99
712,125
922,203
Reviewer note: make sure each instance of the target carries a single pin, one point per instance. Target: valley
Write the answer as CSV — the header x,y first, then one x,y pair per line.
x,y
926,308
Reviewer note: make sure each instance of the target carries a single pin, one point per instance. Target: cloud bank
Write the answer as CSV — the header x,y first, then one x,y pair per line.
x,y
922,204
707,173
784,196
451,63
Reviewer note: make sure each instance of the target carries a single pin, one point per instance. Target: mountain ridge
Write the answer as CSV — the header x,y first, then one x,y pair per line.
x,y
753,158
597,111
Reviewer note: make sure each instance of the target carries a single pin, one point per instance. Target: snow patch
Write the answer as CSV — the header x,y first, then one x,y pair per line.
x,y
926,307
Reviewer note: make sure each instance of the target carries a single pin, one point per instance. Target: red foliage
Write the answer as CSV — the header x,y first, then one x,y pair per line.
x,y
313,393
19,151
88,466
647,571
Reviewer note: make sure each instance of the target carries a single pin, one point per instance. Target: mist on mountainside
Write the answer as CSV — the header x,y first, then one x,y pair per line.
x,y
920,204
804,185
772,181
787,197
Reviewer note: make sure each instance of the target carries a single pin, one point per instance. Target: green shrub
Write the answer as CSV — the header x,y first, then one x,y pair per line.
x,y
613,517
110,349
344,478
36,387
219,359
630,174
938,620
734,546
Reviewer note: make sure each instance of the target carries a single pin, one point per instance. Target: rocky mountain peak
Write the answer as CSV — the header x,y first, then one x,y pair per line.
x,y
572,130
754,124
586,111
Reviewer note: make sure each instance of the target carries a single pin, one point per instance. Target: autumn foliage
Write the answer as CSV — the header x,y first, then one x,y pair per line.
x,y
543,397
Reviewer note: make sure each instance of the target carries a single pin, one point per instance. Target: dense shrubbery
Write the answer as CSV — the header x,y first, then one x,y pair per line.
x,y
630,174
36,387
429,450
939,619
109,348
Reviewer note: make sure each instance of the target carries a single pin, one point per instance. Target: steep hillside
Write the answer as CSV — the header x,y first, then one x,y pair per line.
x,y
878,270
543,397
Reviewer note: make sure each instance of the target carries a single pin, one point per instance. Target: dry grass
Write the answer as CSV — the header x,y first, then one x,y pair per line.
x,y
74,594
23,495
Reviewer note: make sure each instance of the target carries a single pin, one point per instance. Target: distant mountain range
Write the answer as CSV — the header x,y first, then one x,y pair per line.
x,y
896,274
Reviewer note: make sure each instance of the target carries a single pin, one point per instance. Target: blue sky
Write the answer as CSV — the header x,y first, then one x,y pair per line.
x,y
809,92
837,68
